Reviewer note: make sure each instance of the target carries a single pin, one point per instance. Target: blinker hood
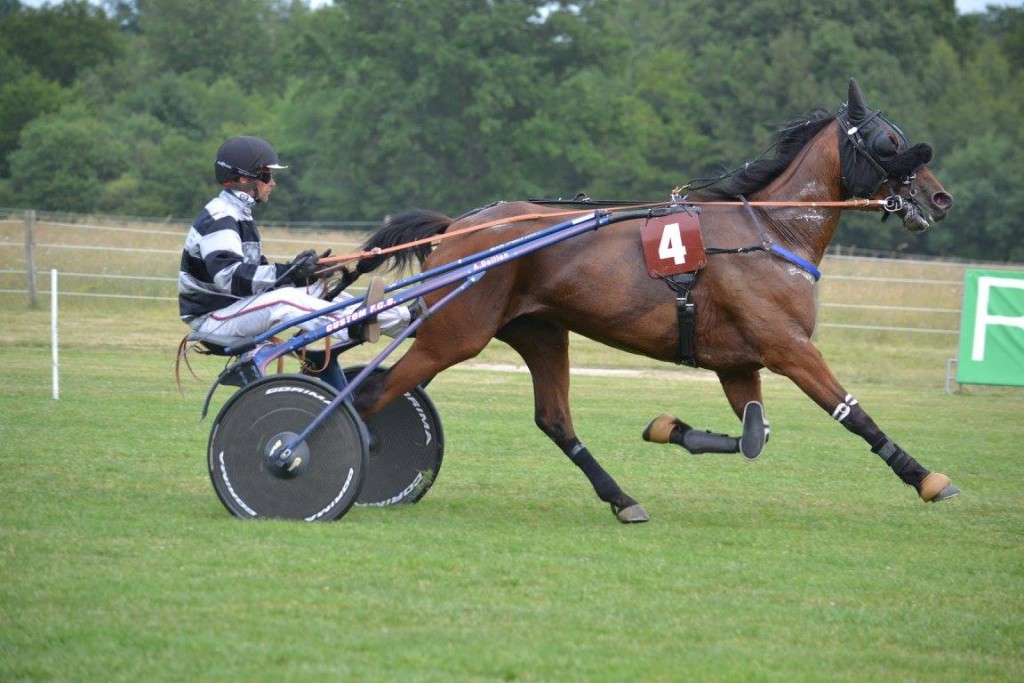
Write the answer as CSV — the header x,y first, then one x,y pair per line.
x,y
867,154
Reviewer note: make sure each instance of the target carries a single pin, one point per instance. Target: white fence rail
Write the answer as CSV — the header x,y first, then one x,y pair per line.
x,y
124,258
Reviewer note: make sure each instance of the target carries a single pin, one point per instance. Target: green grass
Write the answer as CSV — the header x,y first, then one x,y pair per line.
x,y
814,563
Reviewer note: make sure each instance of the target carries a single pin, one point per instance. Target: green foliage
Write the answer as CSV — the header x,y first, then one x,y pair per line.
x,y
165,169
989,211
60,40
186,104
66,160
458,96
230,37
1006,26
450,105
23,97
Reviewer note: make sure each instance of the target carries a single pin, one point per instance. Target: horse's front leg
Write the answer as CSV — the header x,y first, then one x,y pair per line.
x,y
809,371
544,348
743,390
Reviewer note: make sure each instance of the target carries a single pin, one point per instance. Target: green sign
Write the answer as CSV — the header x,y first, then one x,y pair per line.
x,y
992,328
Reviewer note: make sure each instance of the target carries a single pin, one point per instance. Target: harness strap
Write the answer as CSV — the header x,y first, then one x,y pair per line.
x,y
773,248
333,263
798,261
682,283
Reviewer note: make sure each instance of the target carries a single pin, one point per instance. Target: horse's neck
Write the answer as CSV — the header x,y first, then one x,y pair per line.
x,y
813,176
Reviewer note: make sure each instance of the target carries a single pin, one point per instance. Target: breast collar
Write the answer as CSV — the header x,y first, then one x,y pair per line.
x,y
771,247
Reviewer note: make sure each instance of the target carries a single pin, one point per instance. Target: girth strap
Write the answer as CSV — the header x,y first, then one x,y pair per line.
x,y
682,283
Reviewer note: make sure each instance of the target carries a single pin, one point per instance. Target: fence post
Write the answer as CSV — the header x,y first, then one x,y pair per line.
x,y
30,257
54,352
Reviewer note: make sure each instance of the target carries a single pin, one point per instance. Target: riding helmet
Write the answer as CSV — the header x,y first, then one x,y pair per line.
x,y
244,155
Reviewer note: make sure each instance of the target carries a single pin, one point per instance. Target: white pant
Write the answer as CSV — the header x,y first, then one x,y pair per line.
x,y
256,314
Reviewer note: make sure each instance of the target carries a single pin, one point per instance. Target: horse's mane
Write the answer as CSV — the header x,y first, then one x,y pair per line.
x,y
755,175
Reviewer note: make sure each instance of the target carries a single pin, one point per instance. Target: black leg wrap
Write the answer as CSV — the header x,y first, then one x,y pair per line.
x,y
906,468
703,442
605,487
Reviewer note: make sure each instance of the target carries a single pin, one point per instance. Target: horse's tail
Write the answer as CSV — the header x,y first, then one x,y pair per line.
x,y
401,228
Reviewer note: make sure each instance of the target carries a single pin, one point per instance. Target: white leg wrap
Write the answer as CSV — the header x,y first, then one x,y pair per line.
x,y
843,409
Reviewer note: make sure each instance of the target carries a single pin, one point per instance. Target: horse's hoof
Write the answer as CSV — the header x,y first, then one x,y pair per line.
x,y
945,493
660,429
631,515
936,486
755,431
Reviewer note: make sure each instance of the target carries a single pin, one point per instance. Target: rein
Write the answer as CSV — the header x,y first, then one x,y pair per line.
x,y
856,204
358,255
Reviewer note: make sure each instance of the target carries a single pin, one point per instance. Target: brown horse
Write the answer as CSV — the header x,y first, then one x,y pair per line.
x,y
754,305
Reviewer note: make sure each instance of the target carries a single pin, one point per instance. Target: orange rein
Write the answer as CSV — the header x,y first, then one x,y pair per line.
x,y
335,261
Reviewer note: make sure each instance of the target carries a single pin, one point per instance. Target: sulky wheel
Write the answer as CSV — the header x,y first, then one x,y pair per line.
x,y
252,472
406,449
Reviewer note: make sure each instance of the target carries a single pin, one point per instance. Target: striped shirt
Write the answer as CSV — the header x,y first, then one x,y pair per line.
x,y
222,261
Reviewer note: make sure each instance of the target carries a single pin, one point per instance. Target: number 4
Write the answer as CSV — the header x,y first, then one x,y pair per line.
x,y
672,246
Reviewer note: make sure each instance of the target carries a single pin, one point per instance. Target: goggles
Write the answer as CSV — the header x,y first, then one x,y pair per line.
x,y
263,175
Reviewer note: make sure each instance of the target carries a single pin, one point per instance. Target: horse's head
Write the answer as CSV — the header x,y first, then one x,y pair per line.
x,y
877,161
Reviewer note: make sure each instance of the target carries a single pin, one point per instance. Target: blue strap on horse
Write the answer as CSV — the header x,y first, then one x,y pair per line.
x,y
771,247
802,263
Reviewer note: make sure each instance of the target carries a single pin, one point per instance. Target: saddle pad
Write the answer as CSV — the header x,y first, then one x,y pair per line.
x,y
673,244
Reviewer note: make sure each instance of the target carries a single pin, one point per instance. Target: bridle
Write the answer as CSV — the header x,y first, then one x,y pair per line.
x,y
864,172
855,135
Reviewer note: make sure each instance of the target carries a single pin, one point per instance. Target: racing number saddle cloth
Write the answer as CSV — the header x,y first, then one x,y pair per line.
x,y
674,250
673,244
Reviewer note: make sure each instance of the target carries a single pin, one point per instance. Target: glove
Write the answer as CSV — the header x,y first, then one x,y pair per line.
x,y
304,267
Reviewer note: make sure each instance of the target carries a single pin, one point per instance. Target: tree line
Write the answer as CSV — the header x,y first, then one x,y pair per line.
x,y
119,107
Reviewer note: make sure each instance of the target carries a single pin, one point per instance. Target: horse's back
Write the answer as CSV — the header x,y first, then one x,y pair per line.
x,y
595,283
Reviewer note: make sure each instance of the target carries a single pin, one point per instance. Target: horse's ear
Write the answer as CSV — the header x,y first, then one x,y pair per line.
x,y
858,111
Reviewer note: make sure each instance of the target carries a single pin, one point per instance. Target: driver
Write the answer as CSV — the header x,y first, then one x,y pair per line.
x,y
227,287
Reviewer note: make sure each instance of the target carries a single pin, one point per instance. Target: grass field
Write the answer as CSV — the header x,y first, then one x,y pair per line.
x,y
118,562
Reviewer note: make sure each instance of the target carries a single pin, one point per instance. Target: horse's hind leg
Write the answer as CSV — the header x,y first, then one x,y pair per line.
x,y
544,347
420,364
743,389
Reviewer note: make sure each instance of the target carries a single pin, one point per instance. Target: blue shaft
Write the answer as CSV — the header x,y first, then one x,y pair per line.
x,y
345,393
433,272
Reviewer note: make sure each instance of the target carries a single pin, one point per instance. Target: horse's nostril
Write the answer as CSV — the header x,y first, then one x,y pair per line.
x,y
942,200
